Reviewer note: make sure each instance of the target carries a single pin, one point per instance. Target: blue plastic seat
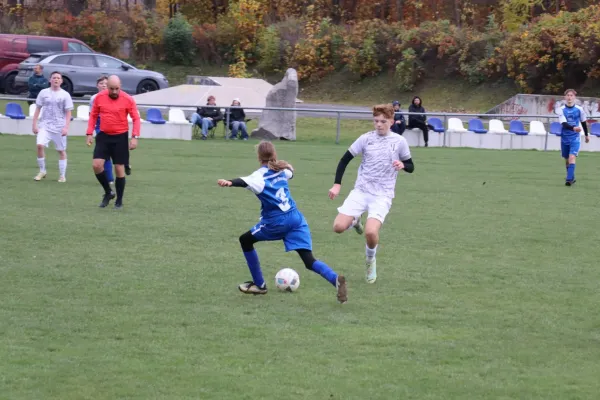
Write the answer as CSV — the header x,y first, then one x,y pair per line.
x,y
437,124
14,111
595,129
475,125
517,128
556,128
155,116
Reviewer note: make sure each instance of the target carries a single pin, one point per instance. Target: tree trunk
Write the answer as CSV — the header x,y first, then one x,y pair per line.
x,y
75,7
399,13
457,12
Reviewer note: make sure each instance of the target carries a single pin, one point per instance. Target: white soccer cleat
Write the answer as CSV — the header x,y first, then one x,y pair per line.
x,y
62,179
39,176
371,270
358,226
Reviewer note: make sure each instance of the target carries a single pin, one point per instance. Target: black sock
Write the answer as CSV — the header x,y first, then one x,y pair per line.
x,y
103,181
120,185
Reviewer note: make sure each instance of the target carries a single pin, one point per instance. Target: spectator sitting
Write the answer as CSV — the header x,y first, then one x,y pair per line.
x,y
399,125
419,121
237,120
36,83
207,117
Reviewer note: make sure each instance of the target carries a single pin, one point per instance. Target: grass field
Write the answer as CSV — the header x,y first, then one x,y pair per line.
x,y
488,280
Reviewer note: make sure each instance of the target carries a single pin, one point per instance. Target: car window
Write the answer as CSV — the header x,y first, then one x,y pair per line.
x,y
83,61
32,59
107,62
74,46
61,60
85,49
41,45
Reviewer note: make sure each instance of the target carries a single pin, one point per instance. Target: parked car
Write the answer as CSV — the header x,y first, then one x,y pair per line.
x,y
16,48
81,70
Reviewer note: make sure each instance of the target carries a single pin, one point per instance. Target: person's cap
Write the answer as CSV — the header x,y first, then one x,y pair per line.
x,y
395,103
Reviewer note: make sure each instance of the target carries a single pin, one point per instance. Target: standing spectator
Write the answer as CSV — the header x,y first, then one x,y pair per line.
x,y
207,117
113,106
419,121
54,125
399,125
237,120
36,83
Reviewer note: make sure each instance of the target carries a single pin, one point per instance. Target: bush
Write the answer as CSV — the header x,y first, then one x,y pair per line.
x,y
179,43
269,51
408,71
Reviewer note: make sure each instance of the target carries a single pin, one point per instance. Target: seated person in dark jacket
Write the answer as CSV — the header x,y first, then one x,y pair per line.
x,y
399,125
419,121
237,120
207,117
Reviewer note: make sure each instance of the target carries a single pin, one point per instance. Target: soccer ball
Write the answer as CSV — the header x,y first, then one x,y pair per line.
x,y
287,280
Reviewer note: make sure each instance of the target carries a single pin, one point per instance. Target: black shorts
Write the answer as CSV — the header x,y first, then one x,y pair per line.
x,y
113,147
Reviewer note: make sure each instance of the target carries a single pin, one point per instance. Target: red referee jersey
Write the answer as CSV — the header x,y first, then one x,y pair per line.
x,y
113,114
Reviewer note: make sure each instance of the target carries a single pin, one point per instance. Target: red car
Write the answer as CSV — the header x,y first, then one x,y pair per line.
x,y
16,48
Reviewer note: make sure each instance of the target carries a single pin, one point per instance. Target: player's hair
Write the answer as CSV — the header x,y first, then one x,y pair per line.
x,y
55,72
102,78
267,154
570,91
387,110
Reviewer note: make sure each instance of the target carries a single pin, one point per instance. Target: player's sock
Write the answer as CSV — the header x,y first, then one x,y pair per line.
x,y
370,253
571,172
103,181
42,164
120,186
325,271
108,170
254,267
62,167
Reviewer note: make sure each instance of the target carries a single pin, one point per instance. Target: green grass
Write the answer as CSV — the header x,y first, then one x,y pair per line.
x,y
485,291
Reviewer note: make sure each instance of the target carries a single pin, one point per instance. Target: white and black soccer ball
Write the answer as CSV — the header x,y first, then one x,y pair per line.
x,y
287,280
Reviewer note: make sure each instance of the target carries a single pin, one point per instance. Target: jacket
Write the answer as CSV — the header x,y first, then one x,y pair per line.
x,y
36,83
237,114
208,111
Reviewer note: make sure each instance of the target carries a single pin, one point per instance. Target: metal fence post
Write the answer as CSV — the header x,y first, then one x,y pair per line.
x,y
227,134
337,136
547,133
445,129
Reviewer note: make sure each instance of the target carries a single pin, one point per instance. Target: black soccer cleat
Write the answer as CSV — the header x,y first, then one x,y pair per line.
x,y
118,205
106,199
570,183
128,169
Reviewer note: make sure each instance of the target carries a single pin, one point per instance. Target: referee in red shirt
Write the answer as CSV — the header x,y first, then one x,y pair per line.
x,y
112,142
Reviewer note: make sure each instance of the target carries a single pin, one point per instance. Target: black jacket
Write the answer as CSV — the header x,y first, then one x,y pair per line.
x,y
416,109
213,112
237,114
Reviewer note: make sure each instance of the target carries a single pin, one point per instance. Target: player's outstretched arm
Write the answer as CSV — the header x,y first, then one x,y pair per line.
x,y
237,182
339,174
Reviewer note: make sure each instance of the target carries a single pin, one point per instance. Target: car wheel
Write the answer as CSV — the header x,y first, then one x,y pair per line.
x,y
147,85
9,84
67,86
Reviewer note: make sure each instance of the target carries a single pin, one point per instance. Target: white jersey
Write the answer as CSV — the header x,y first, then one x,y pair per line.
x,y
55,104
376,174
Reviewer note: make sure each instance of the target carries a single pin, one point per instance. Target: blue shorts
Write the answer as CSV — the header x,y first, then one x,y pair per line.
x,y
570,145
291,227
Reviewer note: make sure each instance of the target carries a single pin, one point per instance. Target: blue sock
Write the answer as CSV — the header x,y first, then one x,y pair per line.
x,y
325,271
254,266
571,172
108,170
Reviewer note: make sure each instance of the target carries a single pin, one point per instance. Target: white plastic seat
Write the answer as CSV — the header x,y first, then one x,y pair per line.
x,y
83,112
176,115
537,128
496,126
456,125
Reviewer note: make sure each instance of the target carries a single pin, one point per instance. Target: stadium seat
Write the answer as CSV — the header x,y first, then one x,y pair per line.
x,y
517,128
496,126
456,125
32,108
475,125
437,124
83,112
556,128
537,128
595,129
176,115
154,116
14,111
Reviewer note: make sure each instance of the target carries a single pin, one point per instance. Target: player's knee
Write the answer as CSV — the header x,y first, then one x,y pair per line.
x,y
339,226
98,166
372,235
247,242
40,147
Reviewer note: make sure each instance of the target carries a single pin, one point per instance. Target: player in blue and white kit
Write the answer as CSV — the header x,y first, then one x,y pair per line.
x,y
573,120
280,220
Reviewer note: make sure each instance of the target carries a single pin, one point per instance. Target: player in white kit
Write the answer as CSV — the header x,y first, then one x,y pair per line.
x,y
55,105
384,153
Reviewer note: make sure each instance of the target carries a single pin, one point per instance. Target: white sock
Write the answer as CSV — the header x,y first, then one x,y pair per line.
x,y
62,167
42,164
370,253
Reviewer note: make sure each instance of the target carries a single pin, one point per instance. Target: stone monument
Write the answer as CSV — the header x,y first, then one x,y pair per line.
x,y
274,124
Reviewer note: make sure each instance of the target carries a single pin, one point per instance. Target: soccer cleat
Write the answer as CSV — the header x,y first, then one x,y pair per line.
x,y
342,291
371,271
358,226
570,183
128,169
39,176
62,179
251,288
118,205
106,199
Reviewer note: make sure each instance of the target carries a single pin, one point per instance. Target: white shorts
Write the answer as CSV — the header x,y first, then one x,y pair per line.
x,y
44,138
358,202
